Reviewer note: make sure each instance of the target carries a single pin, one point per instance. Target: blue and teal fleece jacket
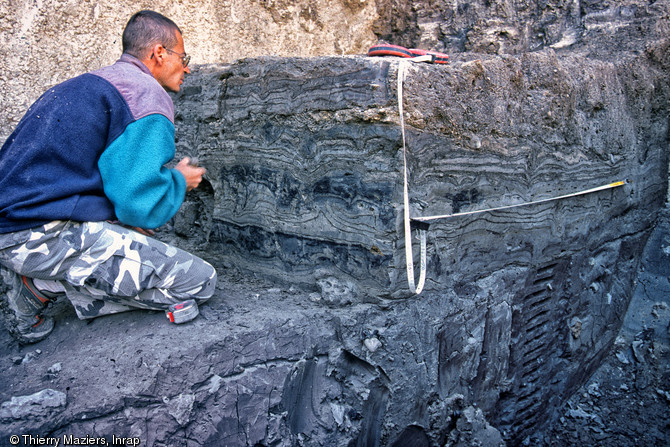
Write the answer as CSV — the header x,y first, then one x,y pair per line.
x,y
93,148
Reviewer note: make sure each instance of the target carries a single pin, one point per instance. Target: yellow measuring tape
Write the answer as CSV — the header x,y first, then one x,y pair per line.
x,y
417,288
535,202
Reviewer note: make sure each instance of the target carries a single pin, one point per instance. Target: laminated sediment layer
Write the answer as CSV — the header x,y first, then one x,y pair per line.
x,y
305,163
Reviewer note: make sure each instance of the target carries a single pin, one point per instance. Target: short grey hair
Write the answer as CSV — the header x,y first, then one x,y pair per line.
x,y
146,29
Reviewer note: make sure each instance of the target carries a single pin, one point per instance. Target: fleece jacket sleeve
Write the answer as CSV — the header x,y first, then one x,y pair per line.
x,y
143,191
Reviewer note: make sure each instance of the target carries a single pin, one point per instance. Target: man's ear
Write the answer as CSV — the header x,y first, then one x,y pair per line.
x,y
158,53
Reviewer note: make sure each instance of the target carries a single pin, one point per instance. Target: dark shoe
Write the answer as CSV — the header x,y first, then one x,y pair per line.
x,y
23,309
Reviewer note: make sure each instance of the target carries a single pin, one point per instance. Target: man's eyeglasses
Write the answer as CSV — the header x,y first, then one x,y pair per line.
x,y
185,58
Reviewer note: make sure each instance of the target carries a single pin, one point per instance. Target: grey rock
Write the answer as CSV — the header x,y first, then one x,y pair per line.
x,y
32,355
372,344
35,406
180,407
55,368
473,429
335,292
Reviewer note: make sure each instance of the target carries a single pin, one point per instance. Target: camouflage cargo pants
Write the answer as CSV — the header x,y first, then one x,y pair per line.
x,y
106,268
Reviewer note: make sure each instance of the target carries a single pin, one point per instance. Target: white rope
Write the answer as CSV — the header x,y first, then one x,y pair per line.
x,y
409,257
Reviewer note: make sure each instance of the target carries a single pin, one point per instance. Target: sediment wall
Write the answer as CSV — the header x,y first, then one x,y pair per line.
x,y
305,162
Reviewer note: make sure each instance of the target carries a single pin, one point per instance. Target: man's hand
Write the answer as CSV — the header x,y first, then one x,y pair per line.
x,y
192,174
